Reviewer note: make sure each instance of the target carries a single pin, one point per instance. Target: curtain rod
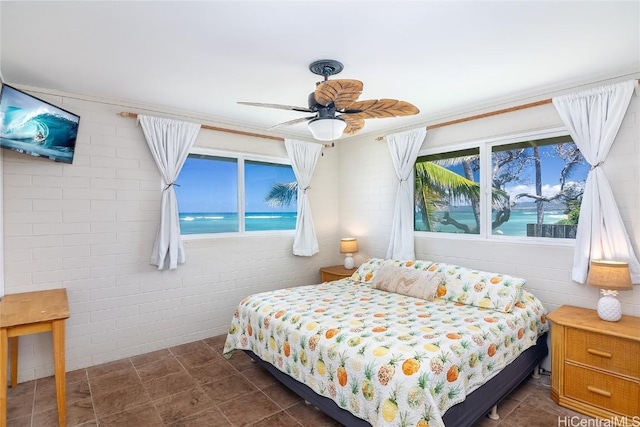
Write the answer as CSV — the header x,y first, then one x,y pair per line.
x,y
483,115
237,132
491,113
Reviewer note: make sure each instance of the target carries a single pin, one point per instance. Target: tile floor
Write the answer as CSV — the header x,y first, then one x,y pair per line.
x,y
193,385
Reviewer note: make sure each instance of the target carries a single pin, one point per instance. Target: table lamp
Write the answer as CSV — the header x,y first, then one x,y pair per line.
x,y
348,246
610,277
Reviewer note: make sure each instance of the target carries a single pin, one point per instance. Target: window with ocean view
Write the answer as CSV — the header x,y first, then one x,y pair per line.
x,y
220,194
448,192
536,189
270,196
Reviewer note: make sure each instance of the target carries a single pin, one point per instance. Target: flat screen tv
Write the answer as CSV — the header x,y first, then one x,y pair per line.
x,y
32,126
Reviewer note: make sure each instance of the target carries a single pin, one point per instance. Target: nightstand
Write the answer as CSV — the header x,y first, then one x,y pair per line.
x,y
595,364
335,272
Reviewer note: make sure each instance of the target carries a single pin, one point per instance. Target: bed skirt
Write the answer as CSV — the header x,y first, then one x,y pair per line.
x,y
464,414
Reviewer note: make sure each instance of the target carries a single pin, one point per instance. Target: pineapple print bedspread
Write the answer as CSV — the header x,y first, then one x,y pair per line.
x,y
387,358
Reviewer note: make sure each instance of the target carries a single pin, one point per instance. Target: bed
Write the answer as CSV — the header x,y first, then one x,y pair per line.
x,y
366,355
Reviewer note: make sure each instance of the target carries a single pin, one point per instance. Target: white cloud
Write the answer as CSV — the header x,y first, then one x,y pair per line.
x,y
548,190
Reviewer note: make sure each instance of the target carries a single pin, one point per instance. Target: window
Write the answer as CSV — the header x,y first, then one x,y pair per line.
x,y
533,188
226,193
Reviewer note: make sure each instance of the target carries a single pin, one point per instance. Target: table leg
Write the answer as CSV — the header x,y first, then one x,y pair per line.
x,y
57,334
3,377
13,357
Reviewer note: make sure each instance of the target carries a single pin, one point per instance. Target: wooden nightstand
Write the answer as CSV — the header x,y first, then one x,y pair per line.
x,y
595,364
335,272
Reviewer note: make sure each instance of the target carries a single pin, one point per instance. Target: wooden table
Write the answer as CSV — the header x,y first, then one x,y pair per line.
x,y
32,313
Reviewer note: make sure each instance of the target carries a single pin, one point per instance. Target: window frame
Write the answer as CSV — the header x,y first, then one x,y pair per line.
x,y
240,158
485,146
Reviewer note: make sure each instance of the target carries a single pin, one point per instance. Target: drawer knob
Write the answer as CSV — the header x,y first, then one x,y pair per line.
x,y
599,353
599,391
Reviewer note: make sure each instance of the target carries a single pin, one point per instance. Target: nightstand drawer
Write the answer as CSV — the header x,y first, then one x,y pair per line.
x,y
599,389
330,277
335,272
604,352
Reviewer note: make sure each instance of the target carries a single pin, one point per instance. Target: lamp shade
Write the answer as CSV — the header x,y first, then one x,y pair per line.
x,y
348,245
327,129
611,275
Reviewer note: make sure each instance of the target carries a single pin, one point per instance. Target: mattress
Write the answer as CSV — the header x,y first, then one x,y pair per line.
x,y
387,358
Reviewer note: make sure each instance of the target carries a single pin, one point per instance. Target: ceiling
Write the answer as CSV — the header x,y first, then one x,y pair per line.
x,y
445,57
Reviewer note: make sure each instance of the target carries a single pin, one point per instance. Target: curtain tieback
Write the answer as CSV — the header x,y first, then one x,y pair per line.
x,y
304,190
169,185
597,165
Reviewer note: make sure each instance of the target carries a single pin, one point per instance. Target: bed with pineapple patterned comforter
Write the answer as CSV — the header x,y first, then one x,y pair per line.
x,y
390,359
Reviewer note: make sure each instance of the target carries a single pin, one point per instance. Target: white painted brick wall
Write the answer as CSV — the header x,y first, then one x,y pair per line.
x,y
90,226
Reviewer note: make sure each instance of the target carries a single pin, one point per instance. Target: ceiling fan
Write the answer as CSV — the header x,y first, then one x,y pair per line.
x,y
335,106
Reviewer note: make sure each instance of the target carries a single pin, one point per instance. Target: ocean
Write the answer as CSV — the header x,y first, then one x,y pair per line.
x,y
227,222
516,226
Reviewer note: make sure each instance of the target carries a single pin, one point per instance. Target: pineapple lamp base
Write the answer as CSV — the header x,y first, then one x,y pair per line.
x,y
609,308
348,261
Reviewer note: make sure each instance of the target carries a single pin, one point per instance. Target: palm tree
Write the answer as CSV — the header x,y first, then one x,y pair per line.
x,y
281,195
437,187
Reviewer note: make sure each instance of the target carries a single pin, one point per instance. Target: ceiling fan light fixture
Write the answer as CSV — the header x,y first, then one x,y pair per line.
x,y
327,129
339,96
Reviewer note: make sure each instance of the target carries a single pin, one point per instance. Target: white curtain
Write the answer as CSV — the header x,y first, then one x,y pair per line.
x,y
304,156
169,141
593,118
404,147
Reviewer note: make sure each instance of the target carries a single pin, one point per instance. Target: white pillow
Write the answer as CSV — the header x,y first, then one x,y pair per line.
x,y
407,281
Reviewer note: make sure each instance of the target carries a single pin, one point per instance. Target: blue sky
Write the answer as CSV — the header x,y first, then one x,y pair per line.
x,y
204,188
551,166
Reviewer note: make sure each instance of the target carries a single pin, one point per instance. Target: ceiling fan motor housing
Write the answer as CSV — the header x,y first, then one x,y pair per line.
x,y
324,111
316,106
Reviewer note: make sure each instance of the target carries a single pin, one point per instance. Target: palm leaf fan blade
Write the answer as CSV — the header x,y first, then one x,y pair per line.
x,y
354,124
341,92
278,106
291,122
382,108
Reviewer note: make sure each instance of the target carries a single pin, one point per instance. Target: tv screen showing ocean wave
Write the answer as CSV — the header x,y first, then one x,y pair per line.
x,y
227,222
